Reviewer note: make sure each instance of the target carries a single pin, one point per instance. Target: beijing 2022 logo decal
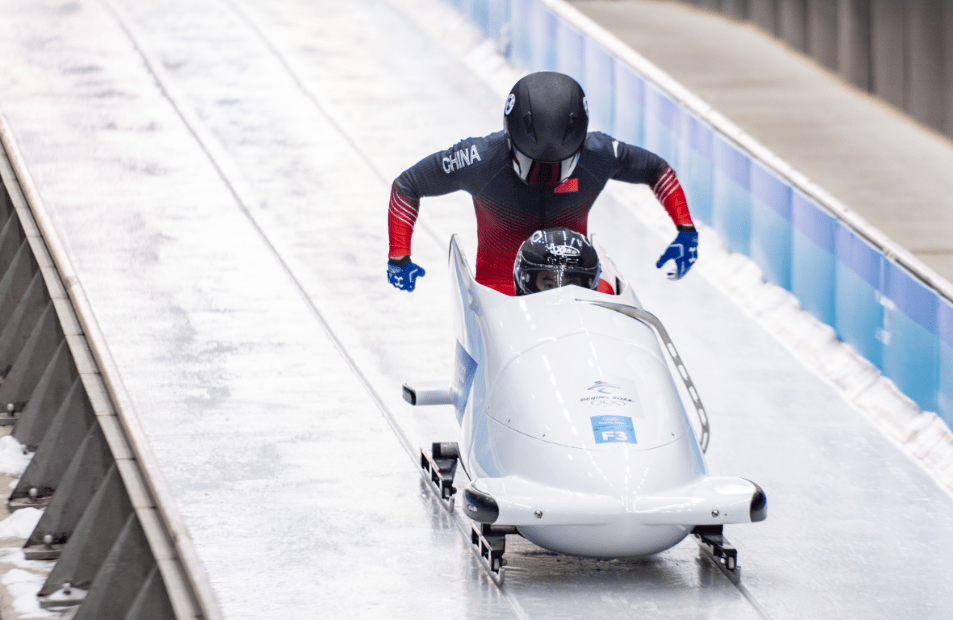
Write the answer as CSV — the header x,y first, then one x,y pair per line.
x,y
604,394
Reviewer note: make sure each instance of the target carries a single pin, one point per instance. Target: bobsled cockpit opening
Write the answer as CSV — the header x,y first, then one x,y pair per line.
x,y
611,281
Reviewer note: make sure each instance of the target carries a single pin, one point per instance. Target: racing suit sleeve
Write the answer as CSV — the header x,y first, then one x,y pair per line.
x,y
401,217
669,192
435,175
637,165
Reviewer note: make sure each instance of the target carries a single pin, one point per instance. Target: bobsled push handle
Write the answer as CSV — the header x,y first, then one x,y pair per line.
x,y
421,393
652,321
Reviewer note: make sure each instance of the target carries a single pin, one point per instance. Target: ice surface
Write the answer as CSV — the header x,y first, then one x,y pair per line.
x,y
219,174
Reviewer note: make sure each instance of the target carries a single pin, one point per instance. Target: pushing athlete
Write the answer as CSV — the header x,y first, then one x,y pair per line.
x,y
544,170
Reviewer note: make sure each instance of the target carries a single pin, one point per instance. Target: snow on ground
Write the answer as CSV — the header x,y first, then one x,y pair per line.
x,y
21,579
21,523
23,585
13,458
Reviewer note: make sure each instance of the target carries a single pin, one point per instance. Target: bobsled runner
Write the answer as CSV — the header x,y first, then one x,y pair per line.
x,y
572,430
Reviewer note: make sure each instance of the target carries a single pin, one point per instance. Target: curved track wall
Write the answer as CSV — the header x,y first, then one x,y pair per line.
x,y
878,298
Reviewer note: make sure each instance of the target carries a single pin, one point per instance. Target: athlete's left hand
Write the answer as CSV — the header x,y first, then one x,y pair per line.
x,y
683,252
403,273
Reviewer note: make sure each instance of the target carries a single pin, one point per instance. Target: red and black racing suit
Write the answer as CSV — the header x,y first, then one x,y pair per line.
x,y
508,210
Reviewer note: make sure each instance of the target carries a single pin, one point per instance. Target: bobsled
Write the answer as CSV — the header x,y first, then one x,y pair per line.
x,y
572,429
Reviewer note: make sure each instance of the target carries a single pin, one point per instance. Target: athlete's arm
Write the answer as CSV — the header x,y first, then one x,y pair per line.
x,y
669,192
401,217
435,175
637,165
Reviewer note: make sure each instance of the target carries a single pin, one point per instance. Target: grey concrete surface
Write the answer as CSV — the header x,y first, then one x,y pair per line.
x,y
893,171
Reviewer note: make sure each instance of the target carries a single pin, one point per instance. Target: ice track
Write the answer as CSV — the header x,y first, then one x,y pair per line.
x,y
219,172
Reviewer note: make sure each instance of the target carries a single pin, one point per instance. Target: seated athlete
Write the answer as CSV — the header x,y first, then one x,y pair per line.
x,y
555,257
543,170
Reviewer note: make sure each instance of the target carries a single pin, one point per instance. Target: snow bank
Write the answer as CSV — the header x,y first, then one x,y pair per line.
x,y
21,523
23,586
12,457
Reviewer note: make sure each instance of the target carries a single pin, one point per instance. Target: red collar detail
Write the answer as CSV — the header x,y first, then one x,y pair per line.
x,y
567,186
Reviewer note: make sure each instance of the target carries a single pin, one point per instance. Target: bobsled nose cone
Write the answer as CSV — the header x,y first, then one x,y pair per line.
x,y
759,504
480,506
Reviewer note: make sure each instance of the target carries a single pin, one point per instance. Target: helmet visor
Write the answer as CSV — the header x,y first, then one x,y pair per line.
x,y
537,279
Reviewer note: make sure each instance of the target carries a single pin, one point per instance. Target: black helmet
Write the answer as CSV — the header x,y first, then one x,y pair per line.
x,y
546,119
555,257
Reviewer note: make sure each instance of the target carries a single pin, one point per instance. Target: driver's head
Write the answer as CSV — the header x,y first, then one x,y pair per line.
x,y
555,257
546,119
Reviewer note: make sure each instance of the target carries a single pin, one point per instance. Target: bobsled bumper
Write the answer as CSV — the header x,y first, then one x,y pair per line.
x,y
601,526
708,501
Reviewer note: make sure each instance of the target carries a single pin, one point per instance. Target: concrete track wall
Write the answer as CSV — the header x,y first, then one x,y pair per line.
x,y
118,548
900,50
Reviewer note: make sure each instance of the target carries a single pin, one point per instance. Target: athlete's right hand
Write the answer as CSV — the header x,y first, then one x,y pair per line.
x,y
403,273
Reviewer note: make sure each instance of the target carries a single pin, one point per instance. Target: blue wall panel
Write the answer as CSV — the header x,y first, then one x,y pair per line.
x,y
812,258
945,389
480,15
731,208
858,313
771,228
695,168
911,353
629,103
599,84
539,28
523,47
498,15
569,51
662,124
944,397
911,359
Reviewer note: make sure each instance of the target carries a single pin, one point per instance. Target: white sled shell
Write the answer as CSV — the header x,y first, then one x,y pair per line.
x,y
571,427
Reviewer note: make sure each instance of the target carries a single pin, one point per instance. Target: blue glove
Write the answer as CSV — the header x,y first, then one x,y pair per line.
x,y
404,276
684,251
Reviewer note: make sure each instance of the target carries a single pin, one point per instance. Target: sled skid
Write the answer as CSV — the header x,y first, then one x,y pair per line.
x,y
420,393
490,541
712,539
441,463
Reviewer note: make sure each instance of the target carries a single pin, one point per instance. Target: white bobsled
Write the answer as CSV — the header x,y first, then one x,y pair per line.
x,y
571,426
